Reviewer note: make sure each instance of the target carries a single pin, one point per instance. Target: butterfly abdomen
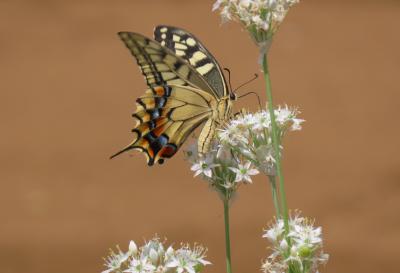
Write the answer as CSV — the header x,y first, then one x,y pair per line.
x,y
206,136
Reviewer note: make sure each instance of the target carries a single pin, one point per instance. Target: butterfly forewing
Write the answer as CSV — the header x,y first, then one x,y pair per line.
x,y
189,48
159,65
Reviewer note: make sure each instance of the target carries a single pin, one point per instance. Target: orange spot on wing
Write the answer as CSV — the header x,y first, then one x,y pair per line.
x,y
144,143
151,153
160,91
143,127
160,126
158,131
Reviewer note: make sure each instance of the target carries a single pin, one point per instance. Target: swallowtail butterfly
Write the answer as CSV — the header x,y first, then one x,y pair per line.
x,y
186,89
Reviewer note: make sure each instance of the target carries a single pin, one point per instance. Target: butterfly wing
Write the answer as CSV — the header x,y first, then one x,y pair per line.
x,y
166,115
178,101
160,66
189,48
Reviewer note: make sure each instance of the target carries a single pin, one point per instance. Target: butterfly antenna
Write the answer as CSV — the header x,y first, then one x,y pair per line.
x,y
249,81
229,78
253,93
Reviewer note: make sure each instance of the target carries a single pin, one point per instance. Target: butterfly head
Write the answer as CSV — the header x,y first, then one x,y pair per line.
x,y
233,96
232,92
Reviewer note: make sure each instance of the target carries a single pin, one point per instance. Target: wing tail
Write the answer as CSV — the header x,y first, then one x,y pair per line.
x,y
128,148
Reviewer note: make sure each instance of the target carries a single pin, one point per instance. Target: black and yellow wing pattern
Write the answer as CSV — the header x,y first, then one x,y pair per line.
x,y
189,48
179,99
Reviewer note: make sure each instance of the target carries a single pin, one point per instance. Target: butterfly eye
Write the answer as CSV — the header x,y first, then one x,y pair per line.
x,y
232,96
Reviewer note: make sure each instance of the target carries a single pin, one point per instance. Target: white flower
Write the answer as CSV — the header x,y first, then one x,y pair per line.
x,y
115,260
243,172
305,244
248,136
142,265
306,235
234,133
203,167
261,17
152,249
273,266
296,125
241,149
214,168
262,121
283,115
152,258
275,231
260,23
187,260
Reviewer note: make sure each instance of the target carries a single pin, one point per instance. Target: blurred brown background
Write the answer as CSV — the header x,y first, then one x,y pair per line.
x,y
68,87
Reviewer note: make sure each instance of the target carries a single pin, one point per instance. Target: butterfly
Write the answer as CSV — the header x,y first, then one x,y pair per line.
x,y
186,89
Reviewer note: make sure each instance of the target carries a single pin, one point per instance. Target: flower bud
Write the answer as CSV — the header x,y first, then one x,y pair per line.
x,y
153,255
132,248
169,252
293,251
284,245
304,251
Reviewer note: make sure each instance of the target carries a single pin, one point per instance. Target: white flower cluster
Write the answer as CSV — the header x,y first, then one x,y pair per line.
x,y
248,136
153,258
300,249
256,15
224,172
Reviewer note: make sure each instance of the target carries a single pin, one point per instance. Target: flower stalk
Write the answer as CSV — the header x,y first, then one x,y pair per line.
x,y
225,174
275,200
227,236
275,143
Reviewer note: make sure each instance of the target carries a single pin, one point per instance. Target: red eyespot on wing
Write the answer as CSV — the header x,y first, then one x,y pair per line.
x,y
168,151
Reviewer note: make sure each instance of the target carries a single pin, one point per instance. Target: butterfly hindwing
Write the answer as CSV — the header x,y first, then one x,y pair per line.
x,y
189,48
166,115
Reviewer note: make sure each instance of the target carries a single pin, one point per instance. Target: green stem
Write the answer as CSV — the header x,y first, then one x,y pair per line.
x,y
276,144
227,236
275,195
